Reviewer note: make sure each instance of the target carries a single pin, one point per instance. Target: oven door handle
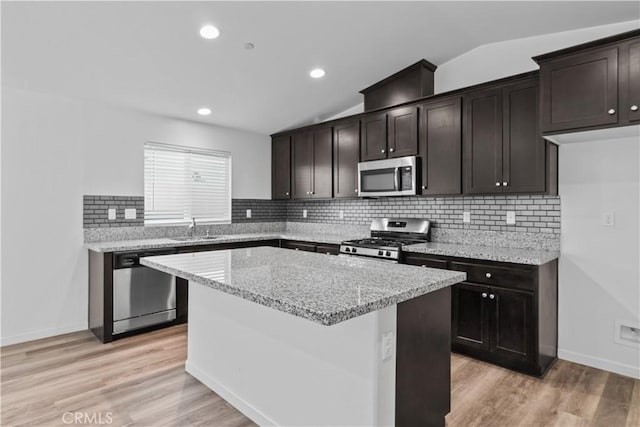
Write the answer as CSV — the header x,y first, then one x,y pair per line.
x,y
396,179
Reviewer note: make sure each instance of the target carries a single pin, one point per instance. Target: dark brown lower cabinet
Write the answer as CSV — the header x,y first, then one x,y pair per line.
x,y
325,248
506,314
469,309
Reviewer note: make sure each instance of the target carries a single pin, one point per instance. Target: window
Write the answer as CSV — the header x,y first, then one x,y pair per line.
x,y
181,183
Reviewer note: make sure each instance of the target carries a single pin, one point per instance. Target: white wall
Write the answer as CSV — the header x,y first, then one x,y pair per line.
x,y
497,60
599,266
114,138
54,150
599,279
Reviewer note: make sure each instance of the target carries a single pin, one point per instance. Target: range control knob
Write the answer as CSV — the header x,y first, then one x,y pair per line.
x,y
379,252
354,250
388,253
347,249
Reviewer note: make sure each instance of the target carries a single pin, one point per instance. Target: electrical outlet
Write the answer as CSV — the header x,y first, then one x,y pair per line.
x,y
466,216
511,217
387,345
304,213
130,213
111,214
248,213
341,214
609,219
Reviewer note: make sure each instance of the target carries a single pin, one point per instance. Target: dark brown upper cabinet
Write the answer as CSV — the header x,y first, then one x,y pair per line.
x,y
591,86
523,149
408,84
312,163
373,139
346,155
389,134
440,146
503,149
281,167
403,132
580,91
483,141
631,90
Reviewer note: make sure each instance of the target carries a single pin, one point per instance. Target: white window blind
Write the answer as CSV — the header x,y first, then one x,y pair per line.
x,y
181,183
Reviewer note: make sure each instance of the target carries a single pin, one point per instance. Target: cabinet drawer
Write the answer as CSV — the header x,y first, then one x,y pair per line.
x,y
421,260
328,249
494,275
301,246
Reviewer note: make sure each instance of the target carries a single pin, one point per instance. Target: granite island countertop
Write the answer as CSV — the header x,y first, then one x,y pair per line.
x,y
489,253
324,289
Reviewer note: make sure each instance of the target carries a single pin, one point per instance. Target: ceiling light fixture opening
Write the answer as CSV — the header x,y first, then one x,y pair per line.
x,y
316,73
204,111
209,32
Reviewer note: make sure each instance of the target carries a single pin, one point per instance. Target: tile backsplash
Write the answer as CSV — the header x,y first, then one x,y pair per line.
x,y
96,211
534,214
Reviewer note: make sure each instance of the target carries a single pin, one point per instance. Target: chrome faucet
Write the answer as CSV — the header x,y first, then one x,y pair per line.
x,y
192,226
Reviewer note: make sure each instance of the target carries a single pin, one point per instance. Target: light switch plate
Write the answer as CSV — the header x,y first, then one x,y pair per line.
x,y
511,217
111,214
130,213
609,219
304,213
248,213
466,216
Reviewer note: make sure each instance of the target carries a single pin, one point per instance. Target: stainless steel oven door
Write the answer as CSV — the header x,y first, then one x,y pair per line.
x,y
391,177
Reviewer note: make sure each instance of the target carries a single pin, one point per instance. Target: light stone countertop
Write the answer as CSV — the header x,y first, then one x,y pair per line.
x,y
471,251
489,253
133,245
322,288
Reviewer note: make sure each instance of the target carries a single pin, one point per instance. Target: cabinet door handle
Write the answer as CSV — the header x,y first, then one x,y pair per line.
x,y
382,151
634,108
497,184
611,111
391,150
484,295
424,187
492,296
488,275
504,184
311,193
356,190
286,194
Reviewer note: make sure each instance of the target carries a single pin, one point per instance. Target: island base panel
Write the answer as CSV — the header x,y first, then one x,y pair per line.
x,y
423,358
280,369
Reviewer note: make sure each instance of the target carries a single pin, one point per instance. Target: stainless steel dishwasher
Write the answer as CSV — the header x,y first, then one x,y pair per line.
x,y
142,296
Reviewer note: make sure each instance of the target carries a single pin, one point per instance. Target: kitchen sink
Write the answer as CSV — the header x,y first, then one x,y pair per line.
x,y
194,238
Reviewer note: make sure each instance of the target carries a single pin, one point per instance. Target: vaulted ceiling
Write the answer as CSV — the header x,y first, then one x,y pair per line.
x,y
149,55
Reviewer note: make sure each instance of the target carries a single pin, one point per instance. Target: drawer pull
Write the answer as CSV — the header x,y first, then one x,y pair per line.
x,y
488,275
492,296
484,295
611,111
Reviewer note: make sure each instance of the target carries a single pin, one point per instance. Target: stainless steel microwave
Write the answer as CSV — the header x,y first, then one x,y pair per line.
x,y
391,177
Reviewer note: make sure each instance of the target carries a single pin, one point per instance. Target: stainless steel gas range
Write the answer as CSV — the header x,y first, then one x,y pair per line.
x,y
388,235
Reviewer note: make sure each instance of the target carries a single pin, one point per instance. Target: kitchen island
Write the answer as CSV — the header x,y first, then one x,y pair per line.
x,y
296,338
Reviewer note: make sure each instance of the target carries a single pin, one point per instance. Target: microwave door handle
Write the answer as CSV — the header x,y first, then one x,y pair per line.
x,y
396,179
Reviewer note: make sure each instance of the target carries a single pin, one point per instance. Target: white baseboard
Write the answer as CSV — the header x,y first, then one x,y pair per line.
x,y
43,333
604,364
236,401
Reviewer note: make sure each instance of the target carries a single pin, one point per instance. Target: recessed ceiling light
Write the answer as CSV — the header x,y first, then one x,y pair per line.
x,y
316,73
204,111
209,32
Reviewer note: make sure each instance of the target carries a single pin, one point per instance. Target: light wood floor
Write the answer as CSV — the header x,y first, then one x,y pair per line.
x,y
141,381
